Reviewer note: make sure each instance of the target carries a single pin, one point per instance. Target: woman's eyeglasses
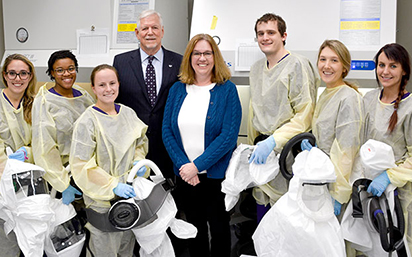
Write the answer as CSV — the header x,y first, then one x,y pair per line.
x,y
70,70
207,54
13,75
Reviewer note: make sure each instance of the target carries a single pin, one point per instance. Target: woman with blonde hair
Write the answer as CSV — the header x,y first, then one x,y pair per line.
x,y
200,129
337,120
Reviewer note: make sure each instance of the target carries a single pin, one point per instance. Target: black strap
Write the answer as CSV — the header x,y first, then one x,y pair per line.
x,y
356,201
399,244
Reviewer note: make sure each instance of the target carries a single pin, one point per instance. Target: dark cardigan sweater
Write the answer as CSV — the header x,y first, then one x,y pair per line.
x,y
221,129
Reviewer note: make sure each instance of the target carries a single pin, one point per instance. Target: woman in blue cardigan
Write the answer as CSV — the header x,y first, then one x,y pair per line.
x,y
200,129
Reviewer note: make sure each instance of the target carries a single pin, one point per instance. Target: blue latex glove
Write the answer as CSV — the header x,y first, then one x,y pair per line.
x,y
262,150
20,154
68,194
305,145
124,190
141,171
336,207
379,184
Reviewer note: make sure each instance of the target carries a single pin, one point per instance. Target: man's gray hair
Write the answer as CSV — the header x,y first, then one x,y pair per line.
x,y
146,13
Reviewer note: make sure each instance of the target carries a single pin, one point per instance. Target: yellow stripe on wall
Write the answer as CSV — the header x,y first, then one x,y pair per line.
x,y
359,25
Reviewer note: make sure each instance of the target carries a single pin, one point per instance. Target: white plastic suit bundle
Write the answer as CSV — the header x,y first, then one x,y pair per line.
x,y
241,175
29,216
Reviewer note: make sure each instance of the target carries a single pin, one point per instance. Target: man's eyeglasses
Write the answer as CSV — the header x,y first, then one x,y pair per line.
x,y
60,71
13,75
207,54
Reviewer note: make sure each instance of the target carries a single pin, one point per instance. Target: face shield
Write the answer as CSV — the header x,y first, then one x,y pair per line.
x,y
28,183
67,235
314,171
67,239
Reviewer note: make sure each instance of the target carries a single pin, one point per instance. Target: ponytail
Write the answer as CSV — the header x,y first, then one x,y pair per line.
x,y
394,117
352,85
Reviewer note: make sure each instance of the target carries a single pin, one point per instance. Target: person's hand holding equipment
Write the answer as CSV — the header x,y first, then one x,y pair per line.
x,y
305,145
379,184
68,194
262,150
124,190
141,171
337,206
20,154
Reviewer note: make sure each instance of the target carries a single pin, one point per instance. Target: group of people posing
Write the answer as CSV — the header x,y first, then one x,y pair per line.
x,y
184,114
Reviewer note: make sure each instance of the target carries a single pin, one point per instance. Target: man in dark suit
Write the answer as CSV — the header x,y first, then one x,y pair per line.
x,y
132,67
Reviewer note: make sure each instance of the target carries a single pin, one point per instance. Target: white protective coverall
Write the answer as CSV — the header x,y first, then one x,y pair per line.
x,y
281,104
377,115
241,175
15,132
53,121
337,123
29,216
302,221
103,150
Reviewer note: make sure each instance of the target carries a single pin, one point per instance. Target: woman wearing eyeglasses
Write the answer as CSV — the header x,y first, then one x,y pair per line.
x,y
16,101
55,110
200,129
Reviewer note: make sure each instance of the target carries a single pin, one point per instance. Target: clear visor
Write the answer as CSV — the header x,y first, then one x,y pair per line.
x,y
67,234
28,183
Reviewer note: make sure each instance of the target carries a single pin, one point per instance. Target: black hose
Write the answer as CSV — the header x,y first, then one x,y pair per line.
x,y
293,145
386,243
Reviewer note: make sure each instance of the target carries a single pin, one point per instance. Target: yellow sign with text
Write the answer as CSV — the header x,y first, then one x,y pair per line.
x,y
127,27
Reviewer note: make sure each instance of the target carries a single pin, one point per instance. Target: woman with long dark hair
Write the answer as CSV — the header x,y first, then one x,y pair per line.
x,y
389,119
